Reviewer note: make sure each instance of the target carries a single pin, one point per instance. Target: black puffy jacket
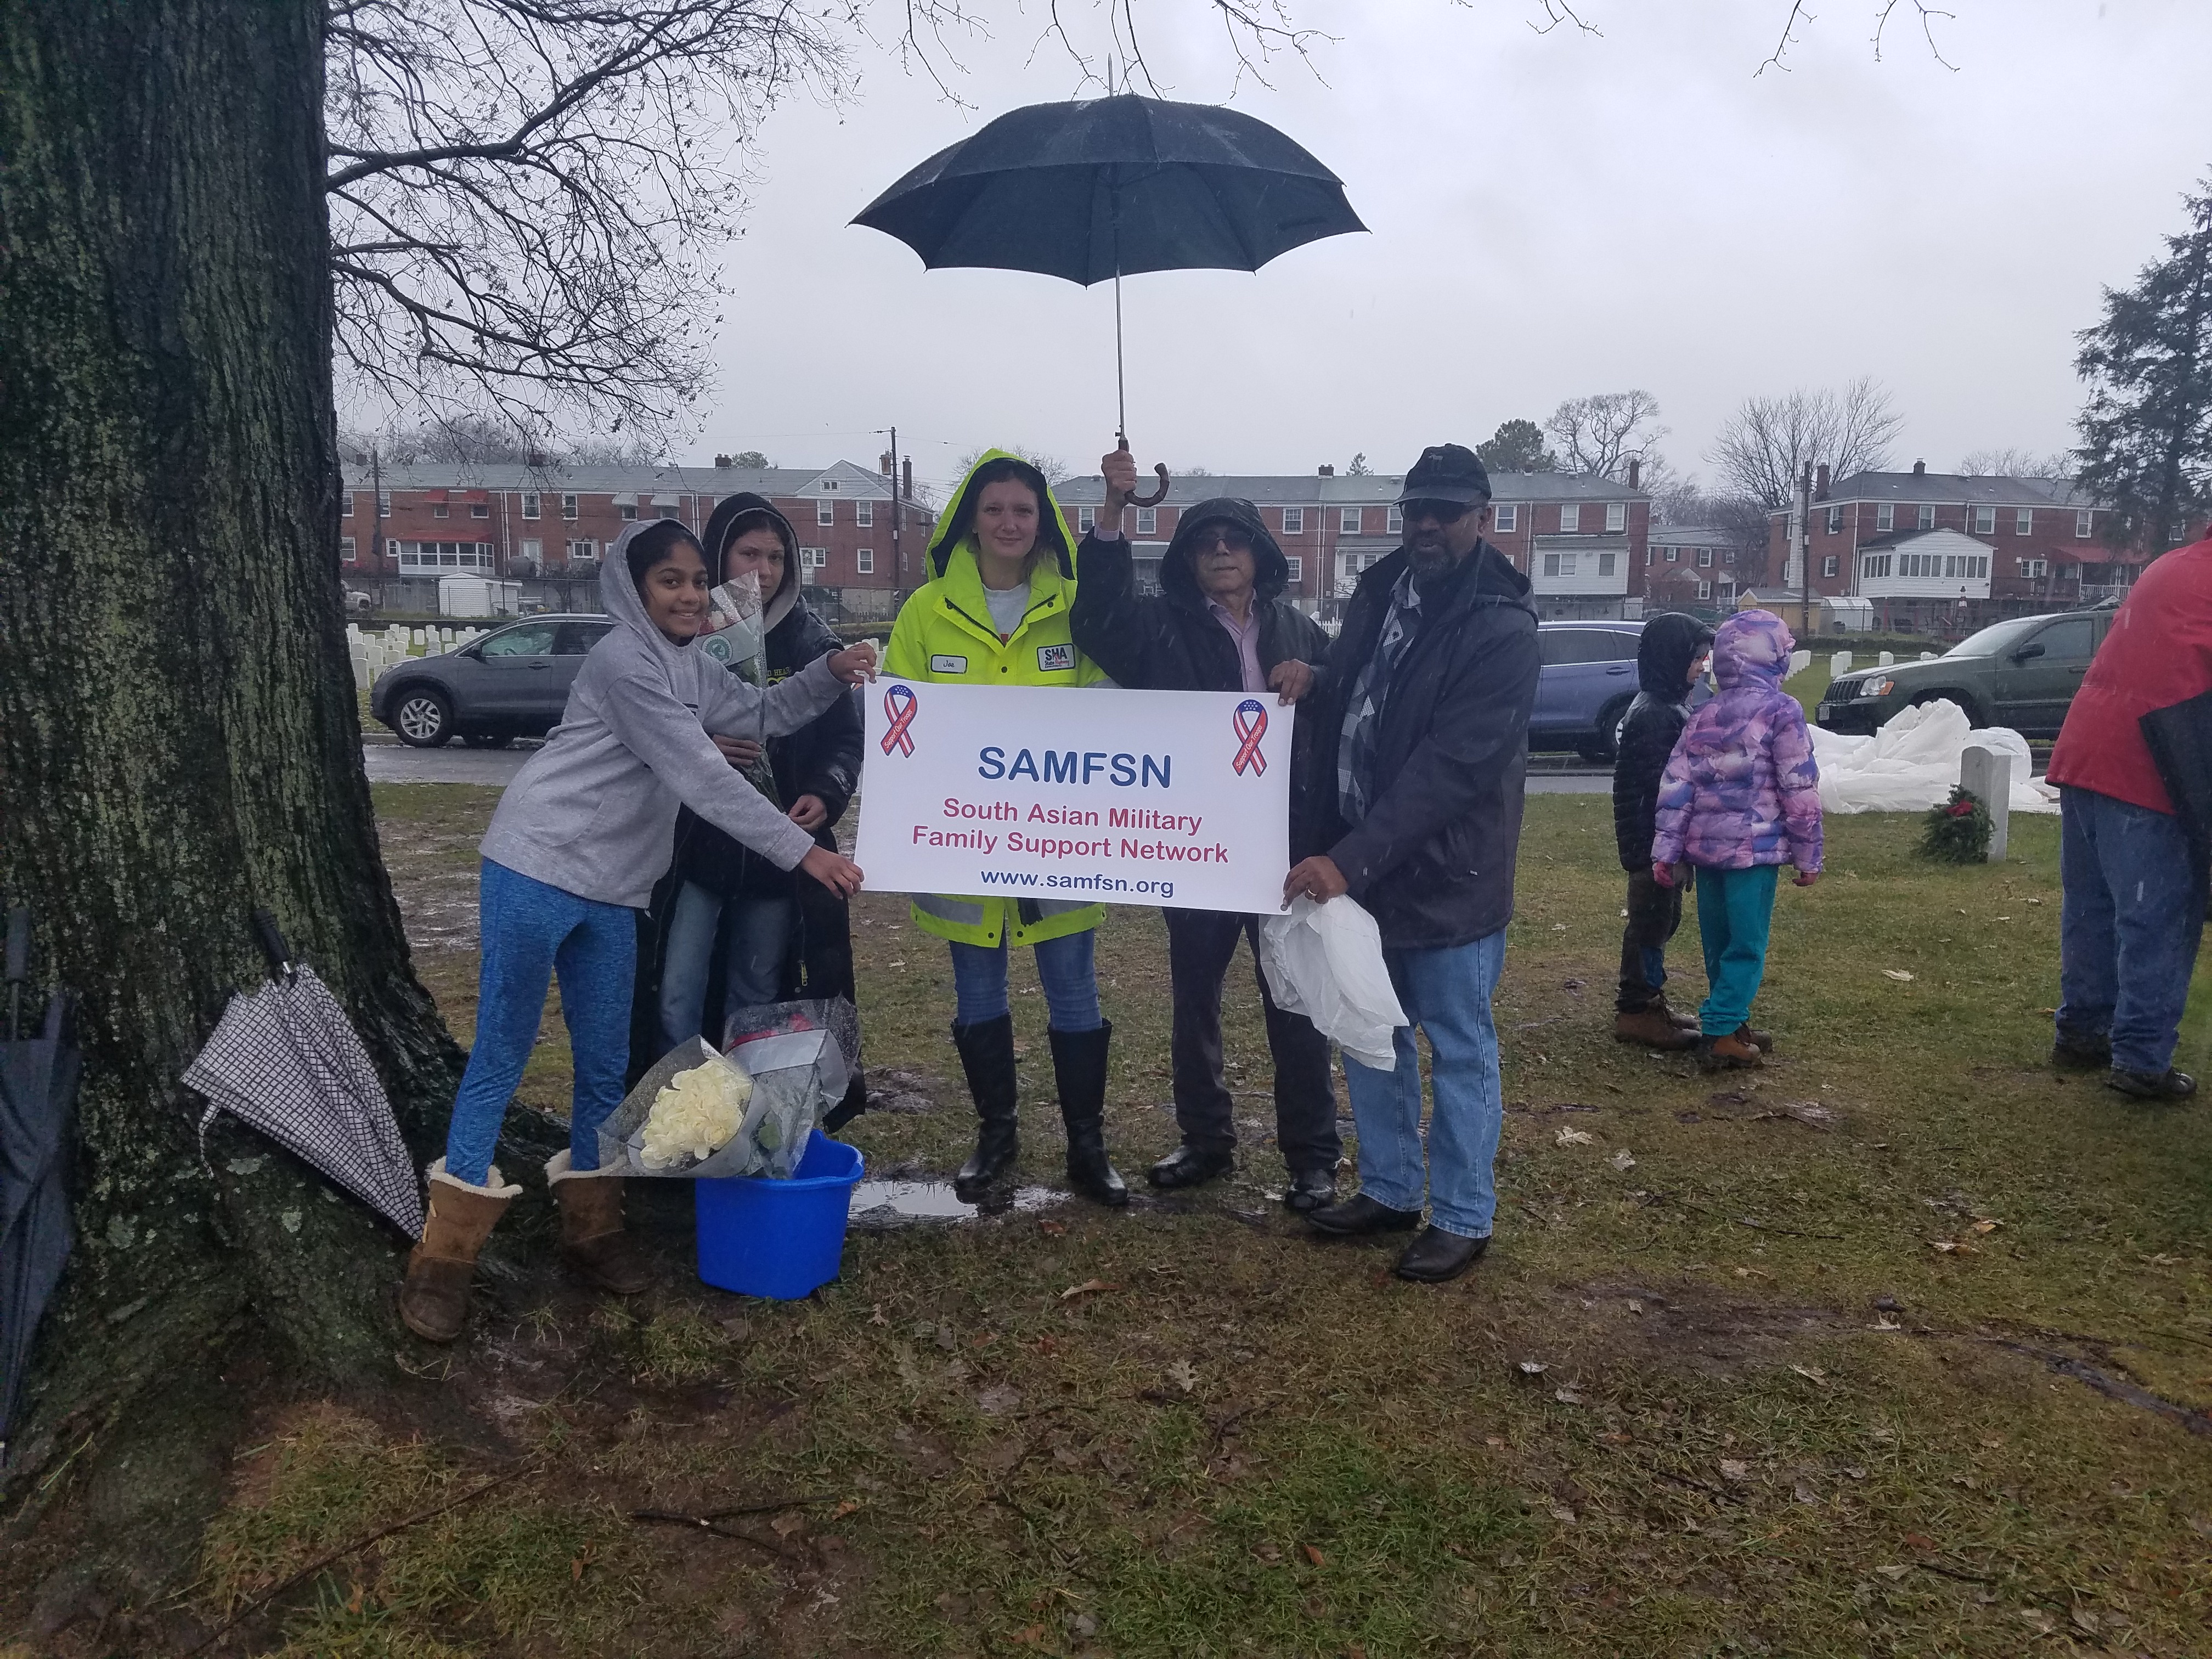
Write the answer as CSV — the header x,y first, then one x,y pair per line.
x,y
1433,859
1670,643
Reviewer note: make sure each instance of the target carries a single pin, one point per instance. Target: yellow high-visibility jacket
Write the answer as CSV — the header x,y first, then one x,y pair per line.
x,y
944,634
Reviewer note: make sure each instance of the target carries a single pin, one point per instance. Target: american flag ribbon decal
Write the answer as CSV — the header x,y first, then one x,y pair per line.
x,y
1251,722
898,709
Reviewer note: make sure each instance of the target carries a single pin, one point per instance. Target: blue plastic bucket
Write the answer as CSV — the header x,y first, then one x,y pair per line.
x,y
779,1239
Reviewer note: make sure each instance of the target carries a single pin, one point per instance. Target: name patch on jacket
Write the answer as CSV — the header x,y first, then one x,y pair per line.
x,y
948,665
1050,657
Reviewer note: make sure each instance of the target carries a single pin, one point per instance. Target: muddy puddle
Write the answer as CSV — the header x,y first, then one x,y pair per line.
x,y
882,1203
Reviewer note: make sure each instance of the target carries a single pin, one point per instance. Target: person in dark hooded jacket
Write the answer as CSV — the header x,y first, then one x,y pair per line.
x,y
1668,658
1219,623
729,928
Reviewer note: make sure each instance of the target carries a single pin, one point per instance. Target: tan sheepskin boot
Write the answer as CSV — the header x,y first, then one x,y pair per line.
x,y
434,1302
593,1241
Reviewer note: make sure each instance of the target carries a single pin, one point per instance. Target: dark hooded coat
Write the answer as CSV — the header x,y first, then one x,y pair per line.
x,y
1670,643
1432,860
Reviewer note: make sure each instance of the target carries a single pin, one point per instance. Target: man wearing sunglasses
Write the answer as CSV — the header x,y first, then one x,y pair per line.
x,y
1219,623
1419,756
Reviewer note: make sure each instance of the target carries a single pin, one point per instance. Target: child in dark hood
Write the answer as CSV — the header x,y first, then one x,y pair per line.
x,y
1669,658
727,912
1740,799
574,850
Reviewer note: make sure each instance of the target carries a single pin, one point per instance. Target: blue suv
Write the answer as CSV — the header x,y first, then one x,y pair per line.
x,y
1585,686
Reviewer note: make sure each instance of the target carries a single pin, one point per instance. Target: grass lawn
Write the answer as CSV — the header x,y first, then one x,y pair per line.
x,y
1900,1346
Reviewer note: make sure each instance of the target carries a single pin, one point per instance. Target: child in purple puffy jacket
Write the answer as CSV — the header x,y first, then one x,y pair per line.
x,y
1740,799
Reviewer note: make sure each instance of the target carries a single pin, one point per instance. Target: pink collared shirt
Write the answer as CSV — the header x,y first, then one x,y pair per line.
x,y
1247,636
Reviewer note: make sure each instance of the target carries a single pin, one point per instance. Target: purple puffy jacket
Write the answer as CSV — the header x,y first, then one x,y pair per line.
x,y
1742,788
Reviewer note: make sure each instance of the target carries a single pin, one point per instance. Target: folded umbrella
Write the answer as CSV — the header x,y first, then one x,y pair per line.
x,y
286,1060
38,1092
1108,187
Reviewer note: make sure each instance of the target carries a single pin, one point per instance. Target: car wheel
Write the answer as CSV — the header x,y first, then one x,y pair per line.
x,y
487,739
1605,747
422,717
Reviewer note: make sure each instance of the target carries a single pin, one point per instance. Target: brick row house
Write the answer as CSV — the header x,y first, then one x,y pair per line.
x,y
1938,552
556,522
1580,540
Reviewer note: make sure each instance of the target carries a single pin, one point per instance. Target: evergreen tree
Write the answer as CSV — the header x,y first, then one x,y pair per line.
x,y
1517,447
2147,429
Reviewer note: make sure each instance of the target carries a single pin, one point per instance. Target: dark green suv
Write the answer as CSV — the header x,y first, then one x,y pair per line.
x,y
2021,673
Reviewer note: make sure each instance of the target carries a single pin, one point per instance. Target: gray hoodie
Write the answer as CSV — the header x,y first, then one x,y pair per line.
x,y
593,813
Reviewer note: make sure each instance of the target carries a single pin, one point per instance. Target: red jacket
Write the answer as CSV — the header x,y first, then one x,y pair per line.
x,y
2157,652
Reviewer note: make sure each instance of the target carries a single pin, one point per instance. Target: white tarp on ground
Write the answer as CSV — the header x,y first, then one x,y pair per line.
x,y
1912,761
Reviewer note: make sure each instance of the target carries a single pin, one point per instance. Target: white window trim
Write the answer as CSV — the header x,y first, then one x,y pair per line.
x,y
1885,516
569,507
1393,519
1507,518
825,513
1347,521
1086,519
2081,524
1297,568
1570,519
1616,515
530,503
1985,521
864,515
347,550
1148,521
2023,521
864,561
1294,522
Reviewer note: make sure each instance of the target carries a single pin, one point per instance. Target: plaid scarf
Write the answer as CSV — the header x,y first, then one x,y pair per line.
x,y
1355,752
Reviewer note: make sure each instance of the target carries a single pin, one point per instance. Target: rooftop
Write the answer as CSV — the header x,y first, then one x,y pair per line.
x,y
852,478
1345,490
1973,489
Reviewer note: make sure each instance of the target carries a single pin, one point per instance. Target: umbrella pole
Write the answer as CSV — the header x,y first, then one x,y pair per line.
x,y
1120,388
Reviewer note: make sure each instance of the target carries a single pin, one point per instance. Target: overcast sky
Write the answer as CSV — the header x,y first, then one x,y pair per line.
x,y
1552,214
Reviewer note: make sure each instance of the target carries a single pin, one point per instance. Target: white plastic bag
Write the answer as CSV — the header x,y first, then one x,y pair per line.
x,y
1325,960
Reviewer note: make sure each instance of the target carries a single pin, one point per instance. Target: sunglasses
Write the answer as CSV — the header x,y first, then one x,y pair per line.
x,y
1237,541
1442,512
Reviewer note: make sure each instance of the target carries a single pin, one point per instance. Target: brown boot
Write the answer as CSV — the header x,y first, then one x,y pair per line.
x,y
593,1241
1654,1029
434,1302
1687,1019
1724,1053
1762,1041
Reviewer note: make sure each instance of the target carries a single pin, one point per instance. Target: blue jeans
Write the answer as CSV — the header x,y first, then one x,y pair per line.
x,y
1447,993
1063,968
531,931
752,969
1735,908
2129,926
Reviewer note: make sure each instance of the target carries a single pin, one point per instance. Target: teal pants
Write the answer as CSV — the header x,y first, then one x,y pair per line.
x,y
1735,907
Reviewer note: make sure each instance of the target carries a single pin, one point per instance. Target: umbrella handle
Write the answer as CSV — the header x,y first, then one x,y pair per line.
x,y
1158,495
272,944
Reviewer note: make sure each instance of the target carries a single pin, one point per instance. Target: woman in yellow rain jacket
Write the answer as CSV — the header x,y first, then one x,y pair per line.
x,y
995,612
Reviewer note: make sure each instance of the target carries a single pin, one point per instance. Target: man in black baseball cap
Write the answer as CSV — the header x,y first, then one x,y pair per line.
x,y
1422,722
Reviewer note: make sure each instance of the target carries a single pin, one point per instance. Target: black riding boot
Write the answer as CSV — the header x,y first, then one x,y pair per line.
x,y
1079,1062
986,1054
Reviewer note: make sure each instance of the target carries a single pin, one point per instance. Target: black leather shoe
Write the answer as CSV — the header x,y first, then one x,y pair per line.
x,y
1360,1214
1438,1255
2150,1085
1190,1166
1310,1189
2081,1051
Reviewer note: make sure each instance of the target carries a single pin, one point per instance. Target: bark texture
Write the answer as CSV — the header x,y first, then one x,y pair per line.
x,y
179,735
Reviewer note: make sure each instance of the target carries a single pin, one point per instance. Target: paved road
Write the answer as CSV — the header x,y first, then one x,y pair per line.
x,y
392,763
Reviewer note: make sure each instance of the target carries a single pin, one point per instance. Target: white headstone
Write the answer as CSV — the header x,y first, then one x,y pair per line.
x,y
1928,656
1799,662
1986,774
1885,659
414,636
1839,664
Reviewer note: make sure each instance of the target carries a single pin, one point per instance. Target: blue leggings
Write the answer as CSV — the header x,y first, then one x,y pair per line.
x,y
530,931
1064,969
1735,908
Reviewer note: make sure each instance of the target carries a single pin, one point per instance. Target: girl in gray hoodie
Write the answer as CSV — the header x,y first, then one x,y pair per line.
x,y
579,839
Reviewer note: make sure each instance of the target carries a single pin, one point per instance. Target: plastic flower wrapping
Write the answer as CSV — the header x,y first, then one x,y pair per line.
x,y
697,1115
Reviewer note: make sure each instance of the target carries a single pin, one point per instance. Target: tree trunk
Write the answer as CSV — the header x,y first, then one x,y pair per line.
x,y
179,733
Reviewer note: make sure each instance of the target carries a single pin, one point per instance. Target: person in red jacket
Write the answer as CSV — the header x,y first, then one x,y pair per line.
x,y
2134,894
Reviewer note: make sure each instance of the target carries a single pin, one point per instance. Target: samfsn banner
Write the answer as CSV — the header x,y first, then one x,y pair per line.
x,y
1171,798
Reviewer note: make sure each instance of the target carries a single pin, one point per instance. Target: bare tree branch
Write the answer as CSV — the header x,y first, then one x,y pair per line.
x,y
1928,14
1601,434
1763,447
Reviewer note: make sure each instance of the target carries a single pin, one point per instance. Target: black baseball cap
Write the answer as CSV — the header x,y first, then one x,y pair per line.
x,y
1446,473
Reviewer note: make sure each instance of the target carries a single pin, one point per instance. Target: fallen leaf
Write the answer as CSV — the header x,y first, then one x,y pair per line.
x,y
784,1525
1804,1494
1029,1636
1946,1246
1623,1160
1811,1373
844,1509
1082,1623
1573,1137
1884,1322
1616,1438
1895,973
1735,1468
1052,1229
876,1315
1893,1573
1314,1555
1561,1512
1532,1368
1918,1540
2043,1624
1634,1306
1567,1397
1986,1226
1088,1287
1268,1556
997,1399
1183,1375
2085,1620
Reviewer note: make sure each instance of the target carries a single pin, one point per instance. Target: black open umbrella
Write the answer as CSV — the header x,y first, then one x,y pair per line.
x,y
38,1093
1112,186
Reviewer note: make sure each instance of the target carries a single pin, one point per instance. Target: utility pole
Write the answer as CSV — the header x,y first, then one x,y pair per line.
x,y
1805,552
898,519
376,516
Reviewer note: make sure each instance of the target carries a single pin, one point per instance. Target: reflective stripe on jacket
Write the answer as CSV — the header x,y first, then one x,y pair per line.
x,y
944,634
